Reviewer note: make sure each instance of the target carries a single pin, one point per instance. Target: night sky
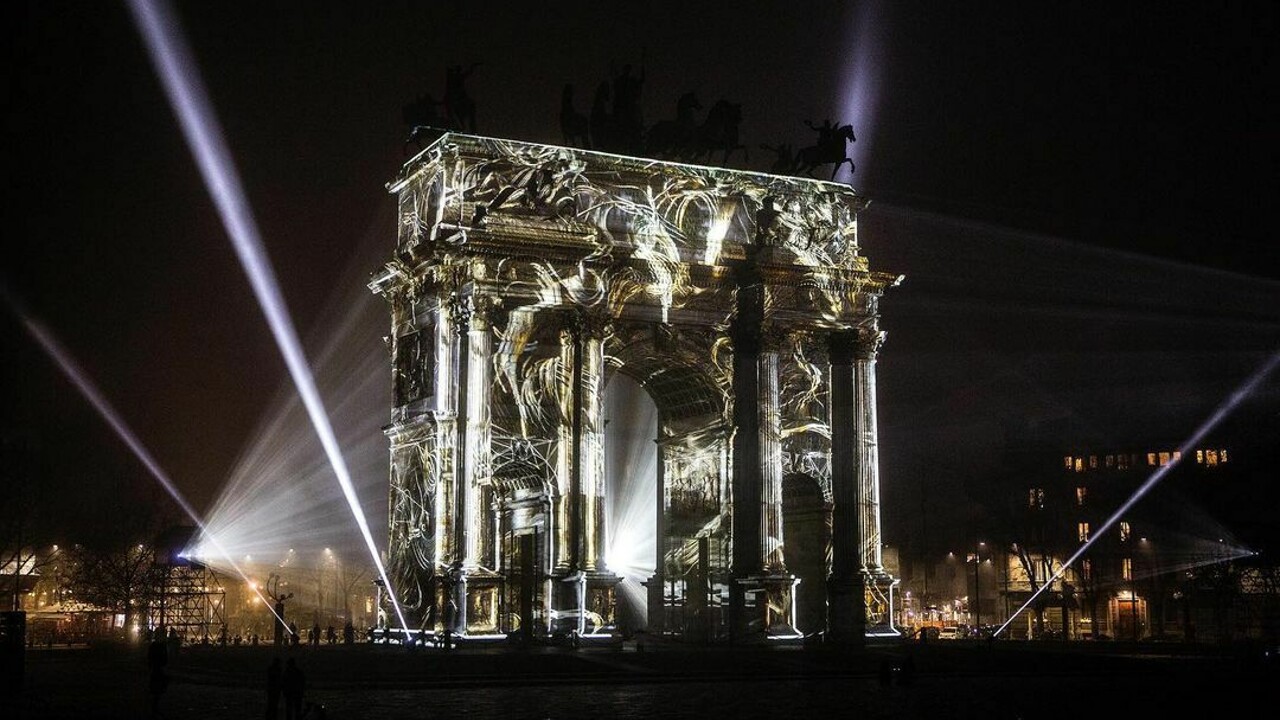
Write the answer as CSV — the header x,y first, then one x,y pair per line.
x,y
1079,199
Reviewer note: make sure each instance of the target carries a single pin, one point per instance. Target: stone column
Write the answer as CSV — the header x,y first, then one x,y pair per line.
x,y
868,347
564,544
592,330
771,530
479,394
747,481
846,602
445,411
656,585
460,310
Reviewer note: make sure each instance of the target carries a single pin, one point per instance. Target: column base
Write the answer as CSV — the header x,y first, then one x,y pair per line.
x,y
482,592
846,618
767,609
656,592
583,604
881,595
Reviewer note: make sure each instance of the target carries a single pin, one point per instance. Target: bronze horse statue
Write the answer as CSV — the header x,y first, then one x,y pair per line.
x,y
719,132
830,148
675,138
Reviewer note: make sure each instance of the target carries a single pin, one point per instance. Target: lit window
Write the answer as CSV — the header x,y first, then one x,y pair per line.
x,y
1199,457
1122,462
1151,458
1222,455
1111,461
1211,457
1126,569
1081,492
1079,464
1177,455
1083,529
1124,531
1067,461
1093,462
1035,498
1164,459
1086,569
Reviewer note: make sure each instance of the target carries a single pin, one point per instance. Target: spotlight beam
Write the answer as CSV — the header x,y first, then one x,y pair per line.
x,y
1187,447
81,380
180,78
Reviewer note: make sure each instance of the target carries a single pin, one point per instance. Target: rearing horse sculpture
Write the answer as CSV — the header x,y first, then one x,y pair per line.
x,y
829,149
675,138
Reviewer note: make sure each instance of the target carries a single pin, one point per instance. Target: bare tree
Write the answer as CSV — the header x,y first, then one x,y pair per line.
x,y
119,578
26,545
352,577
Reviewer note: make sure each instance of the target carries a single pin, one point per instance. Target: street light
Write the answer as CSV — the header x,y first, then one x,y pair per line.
x,y
977,595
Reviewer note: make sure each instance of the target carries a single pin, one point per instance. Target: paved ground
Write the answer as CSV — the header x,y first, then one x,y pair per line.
x,y
951,680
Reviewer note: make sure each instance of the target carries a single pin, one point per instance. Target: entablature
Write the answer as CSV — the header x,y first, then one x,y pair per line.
x,y
468,190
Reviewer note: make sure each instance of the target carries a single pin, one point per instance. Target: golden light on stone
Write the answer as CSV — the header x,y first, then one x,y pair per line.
x,y
525,278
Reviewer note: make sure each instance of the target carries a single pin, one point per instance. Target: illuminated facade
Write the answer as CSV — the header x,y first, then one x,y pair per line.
x,y
525,277
1142,578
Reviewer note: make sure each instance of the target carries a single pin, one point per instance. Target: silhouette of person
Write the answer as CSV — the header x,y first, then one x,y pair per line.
x,y
627,115
157,659
293,684
275,683
315,635
294,637
348,633
280,626
826,133
174,641
330,636
459,106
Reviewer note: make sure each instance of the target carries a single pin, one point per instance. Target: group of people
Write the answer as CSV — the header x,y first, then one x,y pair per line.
x,y
286,681
315,635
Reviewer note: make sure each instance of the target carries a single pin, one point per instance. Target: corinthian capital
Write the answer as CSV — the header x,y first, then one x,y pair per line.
x,y
459,309
869,343
775,338
588,324
483,310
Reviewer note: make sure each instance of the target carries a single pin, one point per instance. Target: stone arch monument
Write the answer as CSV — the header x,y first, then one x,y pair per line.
x,y
524,277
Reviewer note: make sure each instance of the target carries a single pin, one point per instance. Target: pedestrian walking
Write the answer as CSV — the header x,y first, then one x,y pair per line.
x,y
157,659
275,683
294,683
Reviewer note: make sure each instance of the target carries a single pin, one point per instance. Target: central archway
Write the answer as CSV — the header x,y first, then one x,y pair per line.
x,y
631,483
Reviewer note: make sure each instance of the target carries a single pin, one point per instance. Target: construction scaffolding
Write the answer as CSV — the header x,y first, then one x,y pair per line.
x,y
189,597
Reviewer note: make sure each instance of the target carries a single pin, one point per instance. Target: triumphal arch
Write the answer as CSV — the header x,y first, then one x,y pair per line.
x,y
525,278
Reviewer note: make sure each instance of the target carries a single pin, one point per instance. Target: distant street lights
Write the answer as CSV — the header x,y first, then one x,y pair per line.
x,y
977,594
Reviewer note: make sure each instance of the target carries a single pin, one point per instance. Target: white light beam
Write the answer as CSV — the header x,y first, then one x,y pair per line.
x,y
1187,447
177,70
91,393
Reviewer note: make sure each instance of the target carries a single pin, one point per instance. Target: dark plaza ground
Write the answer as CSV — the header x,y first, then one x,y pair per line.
x,y
952,679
